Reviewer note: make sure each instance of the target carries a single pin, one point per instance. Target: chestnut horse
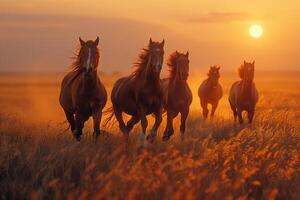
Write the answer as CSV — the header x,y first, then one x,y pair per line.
x,y
82,94
210,91
177,96
139,94
243,94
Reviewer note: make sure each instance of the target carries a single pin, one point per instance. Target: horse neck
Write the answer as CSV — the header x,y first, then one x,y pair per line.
x,y
89,83
246,89
209,83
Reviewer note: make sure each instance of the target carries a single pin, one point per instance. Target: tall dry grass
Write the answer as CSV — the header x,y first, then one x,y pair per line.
x,y
217,159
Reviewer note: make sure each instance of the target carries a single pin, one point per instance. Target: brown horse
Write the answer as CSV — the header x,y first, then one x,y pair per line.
x,y
177,96
243,94
139,94
82,93
210,91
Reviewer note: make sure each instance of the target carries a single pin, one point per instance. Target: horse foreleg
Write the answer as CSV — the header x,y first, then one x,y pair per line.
x,y
79,122
71,120
204,109
158,120
239,114
250,115
169,131
233,110
118,114
134,120
144,123
97,115
184,115
213,109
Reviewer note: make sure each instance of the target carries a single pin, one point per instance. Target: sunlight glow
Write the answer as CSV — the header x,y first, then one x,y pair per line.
x,y
256,30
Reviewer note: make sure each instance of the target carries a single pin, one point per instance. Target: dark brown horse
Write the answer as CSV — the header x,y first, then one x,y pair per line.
x,y
210,91
243,94
139,94
82,93
177,96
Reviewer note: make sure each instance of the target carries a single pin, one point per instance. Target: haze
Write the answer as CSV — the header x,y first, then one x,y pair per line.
x,y
41,35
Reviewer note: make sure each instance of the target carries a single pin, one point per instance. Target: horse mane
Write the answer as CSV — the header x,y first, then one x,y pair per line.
x,y
75,66
172,64
141,63
241,71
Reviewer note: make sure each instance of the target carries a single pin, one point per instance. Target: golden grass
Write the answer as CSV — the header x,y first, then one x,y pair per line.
x,y
217,160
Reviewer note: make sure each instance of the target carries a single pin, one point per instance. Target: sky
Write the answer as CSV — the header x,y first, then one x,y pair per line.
x,y
41,35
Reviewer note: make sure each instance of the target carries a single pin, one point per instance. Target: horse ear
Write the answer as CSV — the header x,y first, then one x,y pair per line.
x,y
218,67
150,41
187,54
253,62
81,41
96,41
245,62
163,43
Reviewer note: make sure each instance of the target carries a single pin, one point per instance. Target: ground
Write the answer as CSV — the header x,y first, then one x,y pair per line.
x,y
217,160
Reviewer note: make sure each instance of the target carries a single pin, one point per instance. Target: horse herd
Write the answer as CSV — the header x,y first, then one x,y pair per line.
x,y
143,92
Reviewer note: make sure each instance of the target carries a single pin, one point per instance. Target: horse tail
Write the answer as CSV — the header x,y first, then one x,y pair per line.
x,y
111,116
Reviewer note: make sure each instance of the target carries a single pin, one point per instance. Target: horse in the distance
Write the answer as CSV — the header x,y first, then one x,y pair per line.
x,y
243,94
139,94
210,91
177,96
82,93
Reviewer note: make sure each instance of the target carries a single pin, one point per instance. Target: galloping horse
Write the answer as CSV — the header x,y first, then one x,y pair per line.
x,y
210,91
140,94
243,94
177,96
82,93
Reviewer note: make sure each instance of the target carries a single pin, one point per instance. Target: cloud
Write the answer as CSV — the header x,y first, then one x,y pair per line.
x,y
219,17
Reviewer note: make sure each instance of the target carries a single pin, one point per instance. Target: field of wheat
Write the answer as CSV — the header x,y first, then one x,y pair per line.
x,y
217,160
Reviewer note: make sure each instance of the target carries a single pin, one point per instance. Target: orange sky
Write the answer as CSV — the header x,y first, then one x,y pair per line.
x,y
41,35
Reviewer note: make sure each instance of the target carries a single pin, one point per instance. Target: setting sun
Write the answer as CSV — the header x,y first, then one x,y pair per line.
x,y
256,30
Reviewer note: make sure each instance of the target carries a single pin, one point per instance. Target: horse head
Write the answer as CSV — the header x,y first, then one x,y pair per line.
x,y
182,65
156,56
214,75
248,72
89,56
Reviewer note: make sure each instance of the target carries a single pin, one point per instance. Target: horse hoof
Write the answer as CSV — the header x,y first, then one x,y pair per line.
x,y
151,138
166,138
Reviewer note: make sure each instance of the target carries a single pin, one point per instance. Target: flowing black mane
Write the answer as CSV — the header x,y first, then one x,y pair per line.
x,y
172,64
141,63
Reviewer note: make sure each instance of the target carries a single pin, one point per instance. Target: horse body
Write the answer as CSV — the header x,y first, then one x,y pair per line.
x,y
243,95
140,94
177,96
210,92
82,93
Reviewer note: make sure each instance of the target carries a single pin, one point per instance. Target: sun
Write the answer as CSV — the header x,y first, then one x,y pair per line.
x,y
256,30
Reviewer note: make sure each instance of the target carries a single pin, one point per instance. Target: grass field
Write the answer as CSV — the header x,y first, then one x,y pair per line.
x,y
217,160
